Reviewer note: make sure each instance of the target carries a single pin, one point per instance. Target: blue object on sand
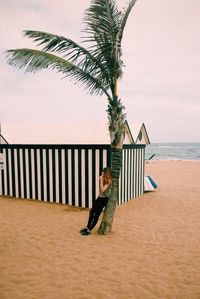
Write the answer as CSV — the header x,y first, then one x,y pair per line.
x,y
149,184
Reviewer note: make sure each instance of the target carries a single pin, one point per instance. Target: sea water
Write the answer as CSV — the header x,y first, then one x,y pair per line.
x,y
173,151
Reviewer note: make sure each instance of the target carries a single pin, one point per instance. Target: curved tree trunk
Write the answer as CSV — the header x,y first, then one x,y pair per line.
x,y
117,133
107,220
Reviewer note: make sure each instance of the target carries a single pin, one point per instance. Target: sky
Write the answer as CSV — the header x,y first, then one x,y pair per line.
x,y
160,86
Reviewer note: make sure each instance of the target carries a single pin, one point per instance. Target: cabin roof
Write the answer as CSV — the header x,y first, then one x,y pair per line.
x,y
90,132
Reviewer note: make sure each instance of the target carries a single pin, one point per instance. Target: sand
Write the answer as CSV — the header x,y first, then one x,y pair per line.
x,y
153,251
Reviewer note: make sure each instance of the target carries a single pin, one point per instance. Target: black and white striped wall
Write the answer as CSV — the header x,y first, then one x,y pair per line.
x,y
67,174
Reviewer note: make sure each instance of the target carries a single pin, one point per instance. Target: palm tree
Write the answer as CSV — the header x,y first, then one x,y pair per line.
x,y
97,67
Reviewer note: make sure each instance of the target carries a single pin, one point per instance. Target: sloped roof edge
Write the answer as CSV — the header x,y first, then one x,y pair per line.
x,y
134,139
1,137
129,132
145,132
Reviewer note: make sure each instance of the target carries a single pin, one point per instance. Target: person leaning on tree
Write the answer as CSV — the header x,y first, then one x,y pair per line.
x,y
105,183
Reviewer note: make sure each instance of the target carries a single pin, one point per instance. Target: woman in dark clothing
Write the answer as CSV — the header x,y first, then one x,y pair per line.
x,y
105,182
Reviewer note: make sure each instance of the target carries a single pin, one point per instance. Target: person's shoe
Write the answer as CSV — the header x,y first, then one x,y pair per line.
x,y
86,232
83,230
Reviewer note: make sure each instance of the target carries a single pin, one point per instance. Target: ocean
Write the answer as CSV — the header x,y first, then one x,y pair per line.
x,y
173,151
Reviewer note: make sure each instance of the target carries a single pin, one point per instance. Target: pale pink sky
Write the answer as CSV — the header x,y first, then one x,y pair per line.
x,y
160,86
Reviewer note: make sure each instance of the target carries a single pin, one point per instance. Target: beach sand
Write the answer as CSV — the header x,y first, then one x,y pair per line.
x,y
153,251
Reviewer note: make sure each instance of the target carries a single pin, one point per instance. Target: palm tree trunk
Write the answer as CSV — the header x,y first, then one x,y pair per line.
x,y
117,131
107,220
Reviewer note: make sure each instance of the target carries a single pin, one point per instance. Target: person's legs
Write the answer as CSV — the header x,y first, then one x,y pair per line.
x,y
96,212
92,213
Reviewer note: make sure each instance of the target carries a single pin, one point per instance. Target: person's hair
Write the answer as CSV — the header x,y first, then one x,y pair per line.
x,y
107,174
107,170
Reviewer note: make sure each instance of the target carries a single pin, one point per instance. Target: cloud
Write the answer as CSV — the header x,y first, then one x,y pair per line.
x,y
160,85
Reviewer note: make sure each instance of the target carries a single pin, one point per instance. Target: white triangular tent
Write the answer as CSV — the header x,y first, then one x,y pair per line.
x,y
138,133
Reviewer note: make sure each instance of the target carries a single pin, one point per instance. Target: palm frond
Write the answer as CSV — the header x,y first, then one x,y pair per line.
x,y
102,21
97,67
70,50
102,16
124,18
35,60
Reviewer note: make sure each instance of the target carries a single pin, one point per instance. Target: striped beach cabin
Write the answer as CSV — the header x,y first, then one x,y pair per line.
x,y
69,173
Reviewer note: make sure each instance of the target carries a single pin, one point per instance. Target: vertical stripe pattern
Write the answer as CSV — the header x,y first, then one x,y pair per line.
x,y
68,174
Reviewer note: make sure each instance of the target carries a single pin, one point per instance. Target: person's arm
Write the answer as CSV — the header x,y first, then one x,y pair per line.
x,y
103,188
